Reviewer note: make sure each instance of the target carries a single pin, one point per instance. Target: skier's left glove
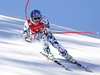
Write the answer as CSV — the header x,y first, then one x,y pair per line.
x,y
46,31
28,39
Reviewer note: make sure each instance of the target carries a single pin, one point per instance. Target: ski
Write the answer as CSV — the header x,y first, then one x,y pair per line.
x,y
78,64
55,61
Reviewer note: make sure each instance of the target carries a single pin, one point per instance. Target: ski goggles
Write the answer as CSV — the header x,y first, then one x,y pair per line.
x,y
36,18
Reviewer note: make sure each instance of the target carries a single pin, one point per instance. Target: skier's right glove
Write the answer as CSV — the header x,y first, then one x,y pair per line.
x,y
28,39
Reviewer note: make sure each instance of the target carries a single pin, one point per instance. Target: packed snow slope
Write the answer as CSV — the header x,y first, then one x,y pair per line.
x,y
18,57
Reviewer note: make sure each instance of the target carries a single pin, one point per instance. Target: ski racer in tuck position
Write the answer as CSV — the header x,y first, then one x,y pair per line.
x,y
39,28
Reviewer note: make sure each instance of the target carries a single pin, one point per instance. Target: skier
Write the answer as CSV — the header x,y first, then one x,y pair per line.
x,y
39,28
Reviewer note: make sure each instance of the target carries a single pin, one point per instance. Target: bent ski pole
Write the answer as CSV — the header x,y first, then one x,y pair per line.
x,y
26,9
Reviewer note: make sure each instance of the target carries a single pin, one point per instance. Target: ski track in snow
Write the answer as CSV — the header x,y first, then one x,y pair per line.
x,y
18,57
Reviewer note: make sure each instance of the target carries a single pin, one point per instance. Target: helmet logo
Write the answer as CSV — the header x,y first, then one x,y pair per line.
x,y
37,14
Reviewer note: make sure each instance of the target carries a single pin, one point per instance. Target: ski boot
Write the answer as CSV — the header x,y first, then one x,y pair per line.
x,y
50,56
67,56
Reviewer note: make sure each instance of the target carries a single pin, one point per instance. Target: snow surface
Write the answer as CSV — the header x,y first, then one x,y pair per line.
x,y
18,57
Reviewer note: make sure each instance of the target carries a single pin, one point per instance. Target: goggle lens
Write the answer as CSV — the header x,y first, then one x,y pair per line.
x,y
37,18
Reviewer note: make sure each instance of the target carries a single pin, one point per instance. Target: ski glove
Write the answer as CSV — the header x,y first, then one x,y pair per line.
x,y
28,39
46,31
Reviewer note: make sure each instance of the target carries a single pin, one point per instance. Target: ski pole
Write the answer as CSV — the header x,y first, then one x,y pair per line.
x,y
26,9
72,32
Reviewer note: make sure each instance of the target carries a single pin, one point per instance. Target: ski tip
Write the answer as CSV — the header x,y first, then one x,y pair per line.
x,y
66,68
84,67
